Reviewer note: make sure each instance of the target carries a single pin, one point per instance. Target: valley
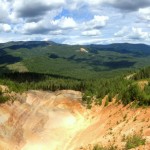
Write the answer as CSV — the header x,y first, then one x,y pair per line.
x,y
74,74
74,97
71,61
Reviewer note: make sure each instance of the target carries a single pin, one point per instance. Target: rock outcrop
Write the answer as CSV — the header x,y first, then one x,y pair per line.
x,y
83,50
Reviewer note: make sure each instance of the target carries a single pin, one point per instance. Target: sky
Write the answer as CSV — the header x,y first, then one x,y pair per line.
x,y
75,21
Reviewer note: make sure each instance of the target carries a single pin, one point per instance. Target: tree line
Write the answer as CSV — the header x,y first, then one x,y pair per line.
x,y
122,89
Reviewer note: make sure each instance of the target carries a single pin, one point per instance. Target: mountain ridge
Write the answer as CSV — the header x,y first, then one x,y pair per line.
x,y
50,41
69,60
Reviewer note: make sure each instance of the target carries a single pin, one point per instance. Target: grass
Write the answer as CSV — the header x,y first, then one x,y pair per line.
x,y
3,98
18,67
134,141
98,147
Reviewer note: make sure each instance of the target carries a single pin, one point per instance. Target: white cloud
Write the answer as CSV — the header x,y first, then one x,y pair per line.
x,y
96,23
122,32
45,26
56,32
4,11
74,4
64,23
137,33
85,20
5,28
91,33
133,33
36,28
145,13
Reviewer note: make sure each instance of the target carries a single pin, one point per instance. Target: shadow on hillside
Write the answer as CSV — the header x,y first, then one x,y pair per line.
x,y
4,69
134,50
7,59
23,76
119,64
31,77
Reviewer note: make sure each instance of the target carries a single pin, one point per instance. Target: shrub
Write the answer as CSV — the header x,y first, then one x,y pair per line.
x,y
98,147
106,102
134,141
3,98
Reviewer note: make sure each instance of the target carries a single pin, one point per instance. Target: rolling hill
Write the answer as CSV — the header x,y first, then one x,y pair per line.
x,y
71,61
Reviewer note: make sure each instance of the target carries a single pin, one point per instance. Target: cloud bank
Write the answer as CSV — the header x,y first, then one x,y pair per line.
x,y
75,21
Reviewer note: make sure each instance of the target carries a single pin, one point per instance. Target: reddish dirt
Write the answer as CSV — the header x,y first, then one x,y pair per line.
x,y
58,121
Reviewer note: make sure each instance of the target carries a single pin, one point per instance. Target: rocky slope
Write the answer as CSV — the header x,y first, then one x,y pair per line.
x,y
40,120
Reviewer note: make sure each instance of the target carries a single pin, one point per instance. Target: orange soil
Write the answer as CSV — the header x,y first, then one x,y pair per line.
x,y
58,121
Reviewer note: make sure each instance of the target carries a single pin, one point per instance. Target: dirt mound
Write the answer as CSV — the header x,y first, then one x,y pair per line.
x,y
58,121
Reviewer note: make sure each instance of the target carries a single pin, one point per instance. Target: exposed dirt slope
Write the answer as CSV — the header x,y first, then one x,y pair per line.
x,y
58,121
142,84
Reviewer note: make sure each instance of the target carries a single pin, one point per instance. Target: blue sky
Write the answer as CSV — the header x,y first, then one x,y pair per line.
x,y
75,21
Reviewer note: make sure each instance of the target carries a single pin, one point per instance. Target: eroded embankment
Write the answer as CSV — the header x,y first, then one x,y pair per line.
x,y
58,121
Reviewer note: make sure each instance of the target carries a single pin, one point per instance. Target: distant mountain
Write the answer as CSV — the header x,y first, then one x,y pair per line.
x,y
26,44
70,60
139,49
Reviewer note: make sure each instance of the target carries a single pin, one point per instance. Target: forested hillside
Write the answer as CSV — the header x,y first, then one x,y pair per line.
x,y
144,73
77,61
51,66
126,90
